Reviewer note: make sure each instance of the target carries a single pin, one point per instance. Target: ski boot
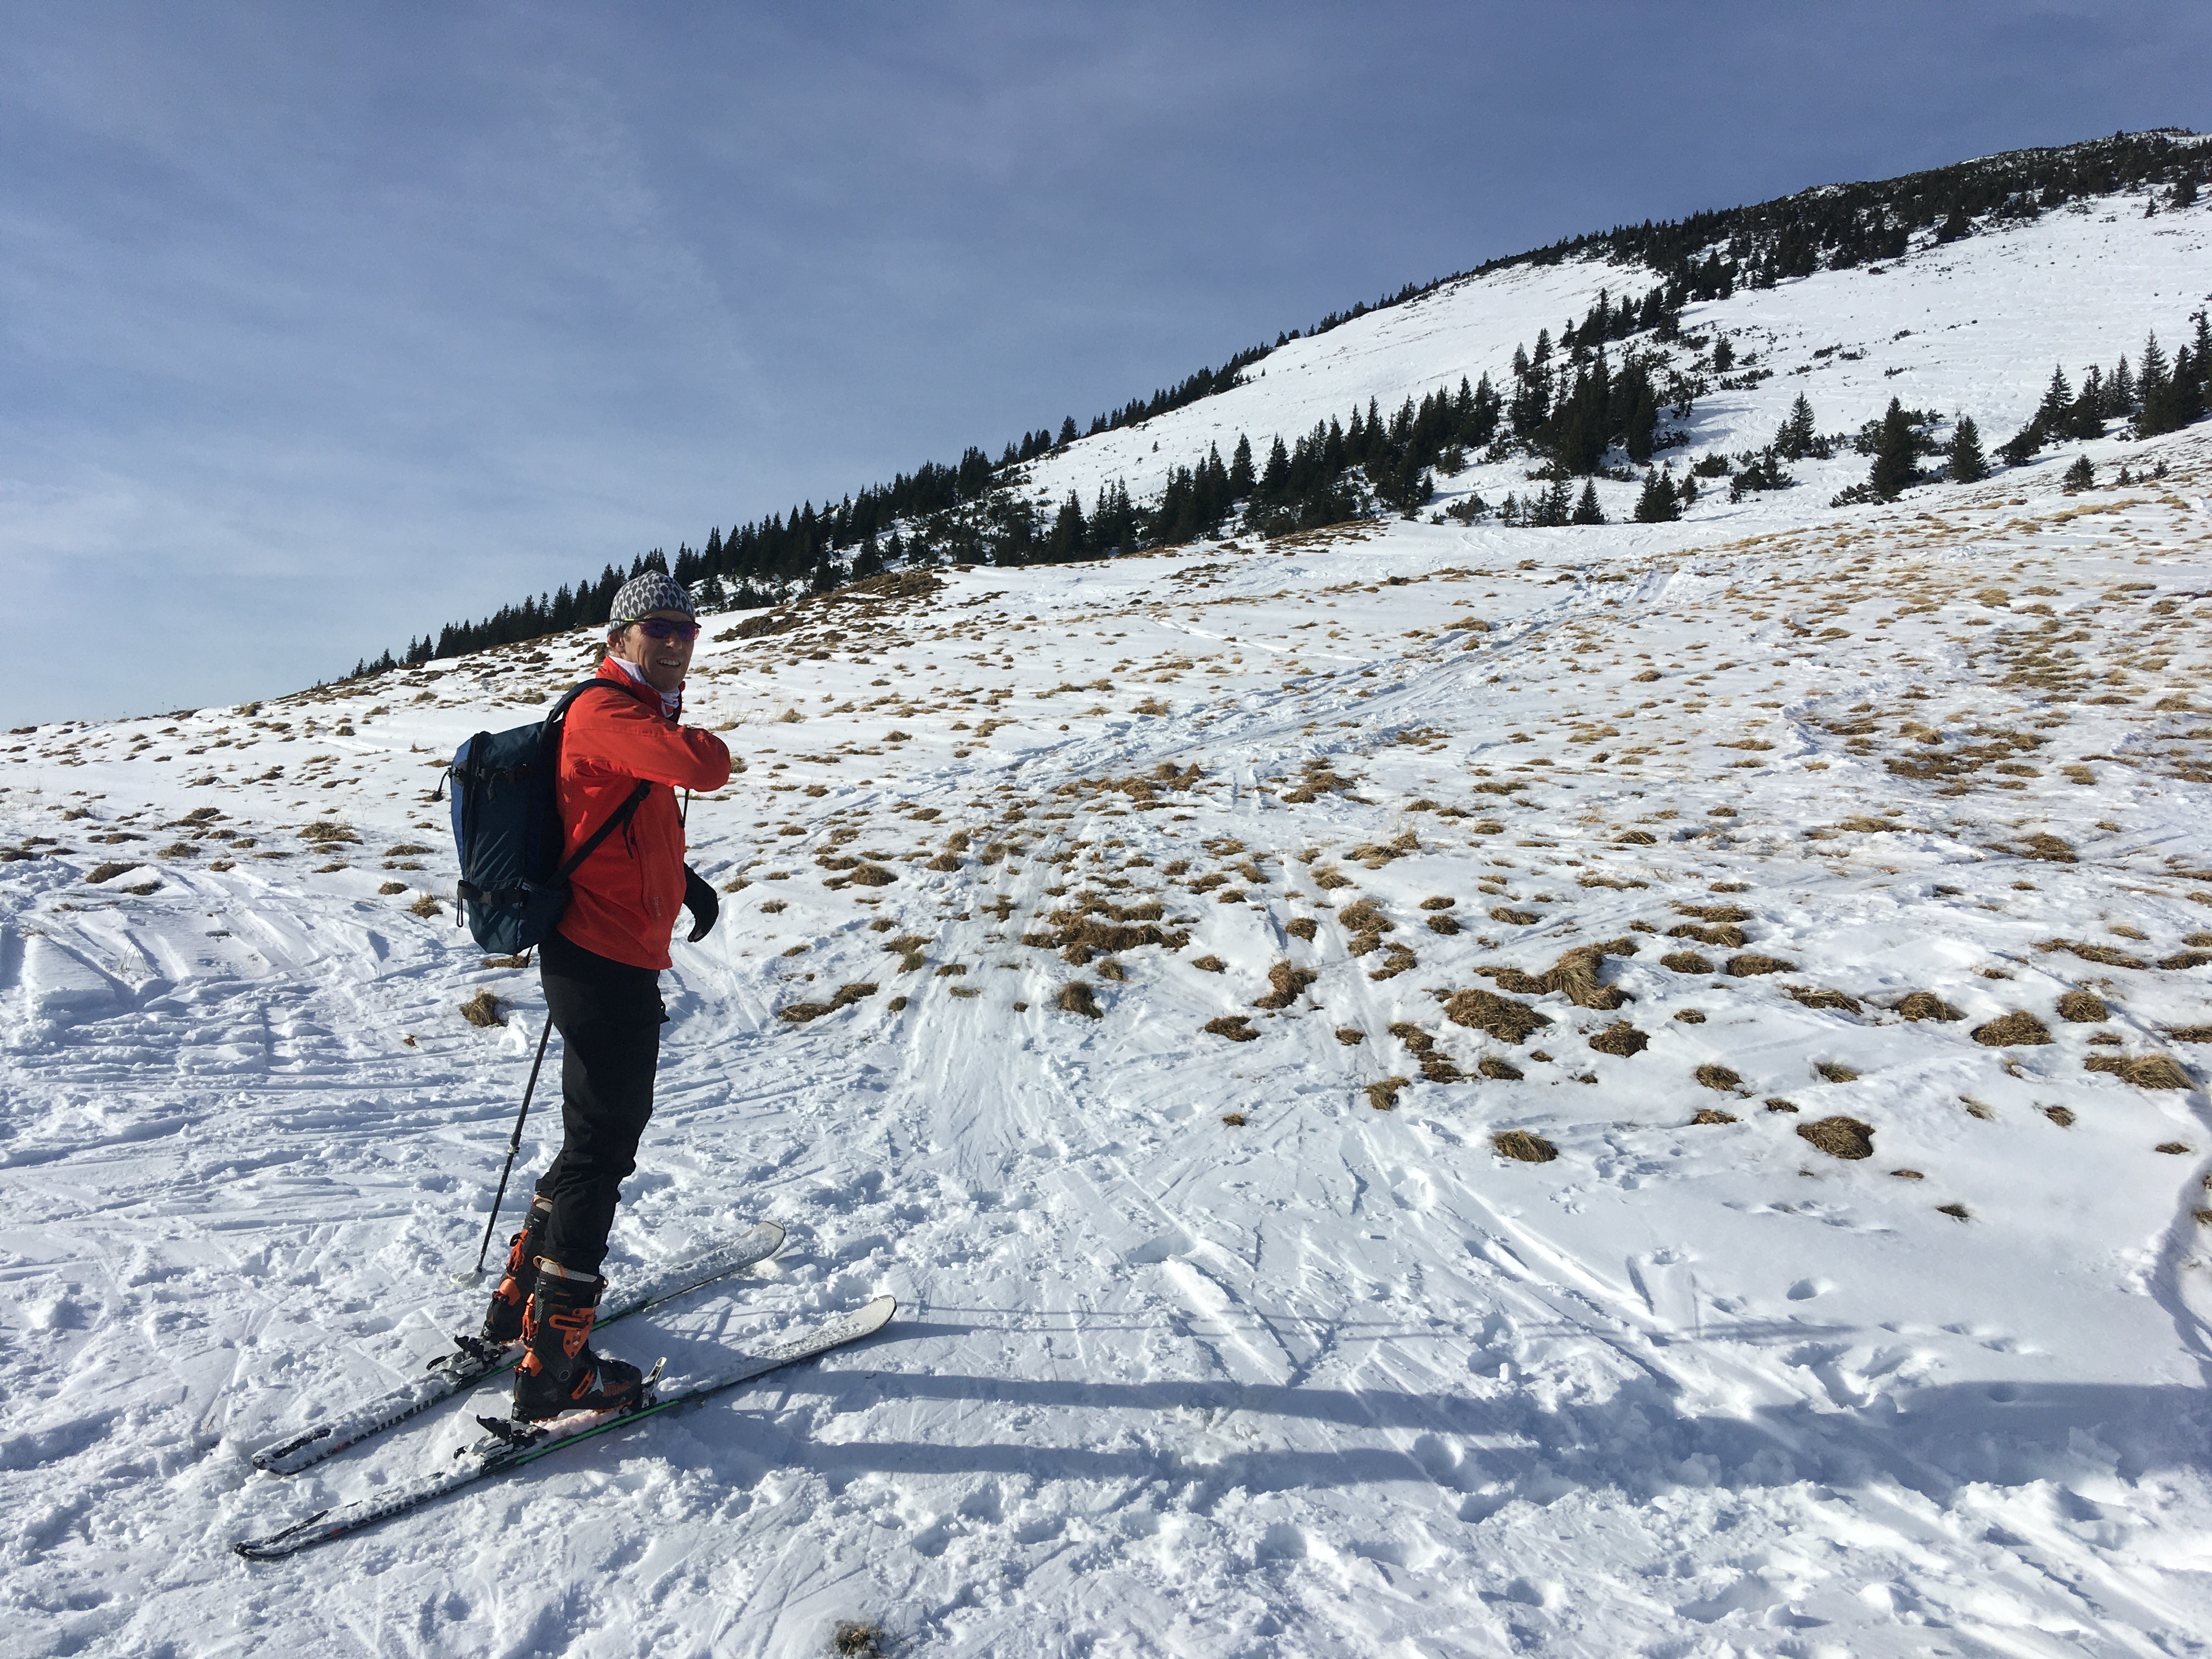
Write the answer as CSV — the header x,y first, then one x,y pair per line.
x,y
559,1372
503,1322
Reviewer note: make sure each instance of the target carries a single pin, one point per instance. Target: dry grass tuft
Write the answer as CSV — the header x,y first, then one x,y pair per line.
x,y
2176,1147
2146,1071
1751,963
2059,1115
2015,1030
1520,1145
2048,848
1725,935
1718,1077
483,1010
2192,1033
1812,998
1926,1004
1234,1119
1835,1072
426,905
1514,918
1300,927
1350,1035
1384,1095
1839,1137
1503,1018
1713,1114
1076,998
391,887
1237,1028
1686,962
1957,1211
1498,1071
1290,983
2082,1008
1620,1038
100,873
800,1012
1443,924
2104,956
1210,965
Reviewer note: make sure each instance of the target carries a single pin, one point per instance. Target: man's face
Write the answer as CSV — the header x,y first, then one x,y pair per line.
x,y
663,662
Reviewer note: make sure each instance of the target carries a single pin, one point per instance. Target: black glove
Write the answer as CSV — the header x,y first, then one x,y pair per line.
x,y
699,899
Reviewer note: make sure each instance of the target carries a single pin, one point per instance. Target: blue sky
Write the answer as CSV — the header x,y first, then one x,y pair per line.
x,y
321,326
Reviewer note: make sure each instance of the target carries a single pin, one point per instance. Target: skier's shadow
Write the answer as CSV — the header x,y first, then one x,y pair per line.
x,y
1640,1441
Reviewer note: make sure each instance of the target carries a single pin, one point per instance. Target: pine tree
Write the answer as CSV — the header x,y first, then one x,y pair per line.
x,y
1965,463
1688,493
1587,510
1240,469
2080,476
1657,503
1795,438
1894,455
1069,532
1068,430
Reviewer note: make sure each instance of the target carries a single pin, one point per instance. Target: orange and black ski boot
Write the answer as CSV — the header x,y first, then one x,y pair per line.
x,y
559,1372
503,1319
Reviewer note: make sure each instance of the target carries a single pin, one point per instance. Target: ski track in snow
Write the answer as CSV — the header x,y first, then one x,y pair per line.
x,y
1340,1381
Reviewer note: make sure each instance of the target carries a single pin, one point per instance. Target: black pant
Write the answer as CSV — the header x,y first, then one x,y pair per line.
x,y
608,1015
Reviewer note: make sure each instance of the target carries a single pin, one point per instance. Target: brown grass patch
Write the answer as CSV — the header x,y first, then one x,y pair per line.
x,y
1237,1028
2104,956
1839,1137
1715,912
2049,848
1520,1145
1686,962
483,1010
1498,1071
1777,1104
1439,903
800,1012
1384,1095
1717,1077
1350,1035
391,887
1751,963
1621,1038
100,873
1713,1114
2175,1146
2185,959
1810,998
1925,1004
1957,1211
1076,998
426,905
1728,938
1443,924
1210,965
1501,1016
1300,927
1833,1071
2010,1030
2145,1072
2082,1008
1290,982
1514,918
2059,1115
2192,1034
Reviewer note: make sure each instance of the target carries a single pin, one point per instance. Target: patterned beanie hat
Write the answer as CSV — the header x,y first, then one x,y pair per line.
x,y
649,593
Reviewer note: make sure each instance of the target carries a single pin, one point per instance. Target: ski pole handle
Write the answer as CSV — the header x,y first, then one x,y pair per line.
x,y
514,1146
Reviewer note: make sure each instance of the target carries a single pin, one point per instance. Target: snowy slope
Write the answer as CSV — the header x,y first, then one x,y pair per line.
x,y
1976,326
1339,1379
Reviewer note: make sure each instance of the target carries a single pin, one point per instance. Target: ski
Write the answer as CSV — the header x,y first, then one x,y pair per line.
x,y
449,1374
509,1446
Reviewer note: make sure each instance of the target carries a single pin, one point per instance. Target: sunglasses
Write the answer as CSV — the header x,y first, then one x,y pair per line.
x,y
660,627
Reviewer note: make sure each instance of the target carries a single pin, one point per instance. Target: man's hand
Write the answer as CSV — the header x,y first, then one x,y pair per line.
x,y
699,899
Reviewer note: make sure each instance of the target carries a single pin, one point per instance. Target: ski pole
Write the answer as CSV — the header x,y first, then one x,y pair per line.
x,y
514,1146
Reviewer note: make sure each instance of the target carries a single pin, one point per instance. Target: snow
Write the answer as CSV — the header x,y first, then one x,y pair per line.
x,y
1337,1380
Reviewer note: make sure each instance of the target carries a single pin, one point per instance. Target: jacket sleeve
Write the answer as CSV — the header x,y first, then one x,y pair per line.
x,y
618,737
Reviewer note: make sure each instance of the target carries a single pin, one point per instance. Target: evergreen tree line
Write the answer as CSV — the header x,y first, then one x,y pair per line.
x,y
2161,396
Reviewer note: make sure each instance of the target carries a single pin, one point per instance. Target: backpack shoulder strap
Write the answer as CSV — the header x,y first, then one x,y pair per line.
x,y
615,819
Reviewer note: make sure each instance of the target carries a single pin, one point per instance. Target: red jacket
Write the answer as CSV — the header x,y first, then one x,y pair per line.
x,y
625,898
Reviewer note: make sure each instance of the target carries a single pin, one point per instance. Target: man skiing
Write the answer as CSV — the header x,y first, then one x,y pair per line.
x,y
601,971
